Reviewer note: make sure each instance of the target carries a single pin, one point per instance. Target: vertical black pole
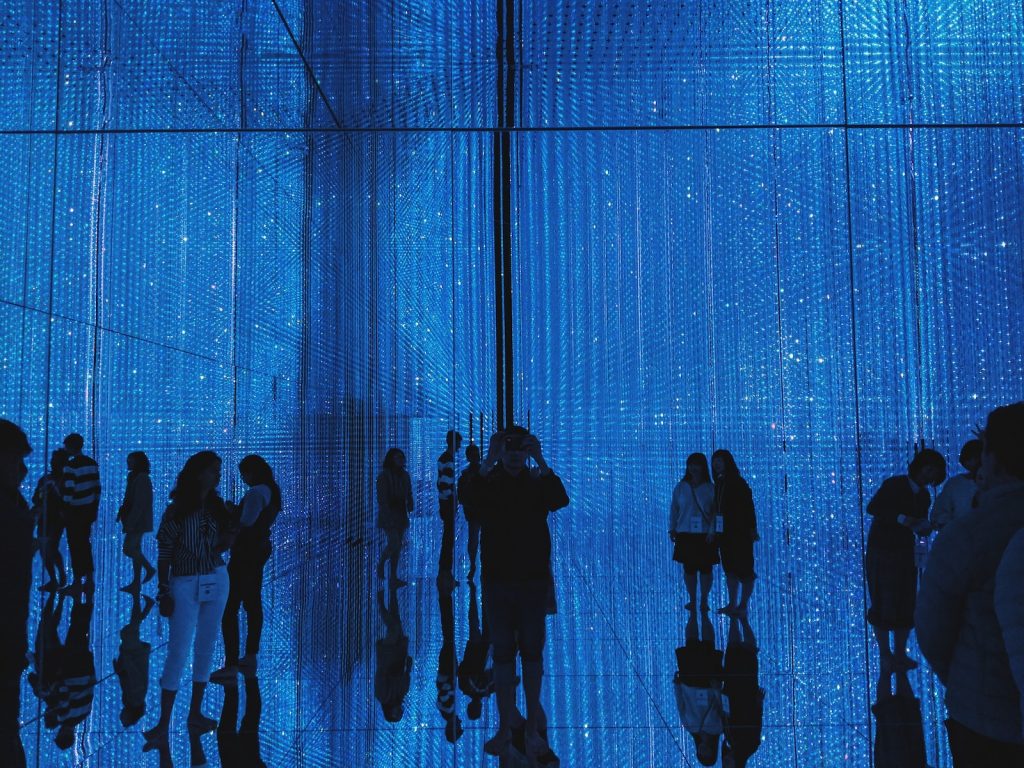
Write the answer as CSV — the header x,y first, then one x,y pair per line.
x,y
499,238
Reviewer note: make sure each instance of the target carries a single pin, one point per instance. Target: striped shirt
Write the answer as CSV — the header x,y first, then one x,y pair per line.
x,y
190,544
81,483
446,477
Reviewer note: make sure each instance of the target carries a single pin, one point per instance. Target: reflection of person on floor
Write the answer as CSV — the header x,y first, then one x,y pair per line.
x,y
472,518
81,489
132,663
899,512
514,503
476,679
77,676
240,748
691,526
16,553
49,651
48,509
734,501
393,673
446,505
899,734
744,695
193,535
698,688
394,503
249,555
136,518
958,495
958,628
447,665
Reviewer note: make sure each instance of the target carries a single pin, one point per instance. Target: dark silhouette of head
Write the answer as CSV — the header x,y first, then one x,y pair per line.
x,y
1003,450
473,453
707,747
131,715
57,461
394,459
14,447
697,469
256,471
74,443
453,440
514,448
198,478
474,709
138,462
928,467
970,456
393,712
723,464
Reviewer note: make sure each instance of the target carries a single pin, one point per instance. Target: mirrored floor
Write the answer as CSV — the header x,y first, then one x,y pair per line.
x,y
339,646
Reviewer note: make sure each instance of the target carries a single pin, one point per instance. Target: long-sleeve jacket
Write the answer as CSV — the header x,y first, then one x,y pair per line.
x,y
734,501
693,508
1009,601
16,578
136,513
957,628
394,499
515,541
955,500
896,496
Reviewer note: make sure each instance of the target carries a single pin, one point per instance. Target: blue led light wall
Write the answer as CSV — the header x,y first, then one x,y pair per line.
x,y
792,229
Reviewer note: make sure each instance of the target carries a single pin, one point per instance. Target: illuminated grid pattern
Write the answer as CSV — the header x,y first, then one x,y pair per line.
x,y
265,226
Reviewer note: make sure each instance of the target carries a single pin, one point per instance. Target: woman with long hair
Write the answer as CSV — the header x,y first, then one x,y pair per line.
x,y
136,518
394,503
193,534
257,513
691,527
734,501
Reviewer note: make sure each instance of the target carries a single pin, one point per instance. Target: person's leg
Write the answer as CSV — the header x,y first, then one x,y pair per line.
x,y
76,539
531,637
12,752
747,589
706,579
690,580
445,560
252,599
884,651
179,637
500,618
210,613
899,645
229,621
473,546
396,539
733,585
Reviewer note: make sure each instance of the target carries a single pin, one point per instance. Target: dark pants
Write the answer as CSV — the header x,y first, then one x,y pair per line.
x,y
972,750
245,570
446,559
80,546
11,751
515,615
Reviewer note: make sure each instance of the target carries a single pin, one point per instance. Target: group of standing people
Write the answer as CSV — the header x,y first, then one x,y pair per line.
x,y
712,520
507,504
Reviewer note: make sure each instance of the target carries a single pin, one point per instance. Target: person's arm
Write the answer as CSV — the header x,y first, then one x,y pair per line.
x,y
1009,605
382,494
494,450
943,509
939,615
143,499
252,504
166,539
673,512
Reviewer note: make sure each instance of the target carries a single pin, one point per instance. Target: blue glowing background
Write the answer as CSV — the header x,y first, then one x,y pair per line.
x,y
790,228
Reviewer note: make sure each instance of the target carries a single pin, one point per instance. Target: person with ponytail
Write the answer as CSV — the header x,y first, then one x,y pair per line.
x,y
257,513
194,533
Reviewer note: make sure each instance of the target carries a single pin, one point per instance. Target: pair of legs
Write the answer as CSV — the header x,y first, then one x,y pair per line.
x,y
391,552
516,619
245,572
473,545
12,753
79,530
53,560
693,579
446,558
738,598
198,608
892,590
893,658
132,549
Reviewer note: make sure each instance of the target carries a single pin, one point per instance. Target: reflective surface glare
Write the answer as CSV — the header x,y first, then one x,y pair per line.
x,y
791,228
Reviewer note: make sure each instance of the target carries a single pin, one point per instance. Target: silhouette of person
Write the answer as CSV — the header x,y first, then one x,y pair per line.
x,y
899,732
1009,605
515,556
691,526
958,494
958,628
132,663
698,688
16,553
472,518
394,503
239,744
734,501
745,719
81,488
899,512
47,507
136,518
447,665
446,505
393,673
476,678
77,682
249,555
193,588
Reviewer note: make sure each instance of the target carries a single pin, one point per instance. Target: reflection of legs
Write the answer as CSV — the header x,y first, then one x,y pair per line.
x,y
12,752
